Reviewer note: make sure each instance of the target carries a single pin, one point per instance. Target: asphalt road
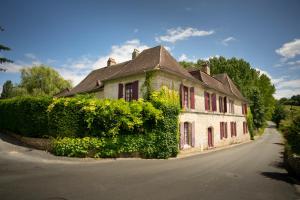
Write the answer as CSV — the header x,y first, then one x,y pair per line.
x,y
249,171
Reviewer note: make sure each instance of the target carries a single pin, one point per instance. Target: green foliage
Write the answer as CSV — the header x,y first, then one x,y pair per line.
x,y
279,113
291,132
85,126
257,108
25,115
42,80
4,48
7,89
147,86
294,100
250,124
66,118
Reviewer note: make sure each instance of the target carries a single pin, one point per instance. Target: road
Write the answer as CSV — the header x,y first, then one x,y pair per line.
x,y
249,171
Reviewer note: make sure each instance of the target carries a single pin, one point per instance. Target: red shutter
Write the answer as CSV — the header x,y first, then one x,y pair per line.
x,y
244,130
193,134
225,129
214,102
181,93
205,101
231,129
235,128
225,104
192,98
243,109
181,144
246,109
135,90
120,92
221,130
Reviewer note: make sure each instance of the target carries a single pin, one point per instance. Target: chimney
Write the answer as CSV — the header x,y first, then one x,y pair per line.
x,y
206,68
111,62
135,53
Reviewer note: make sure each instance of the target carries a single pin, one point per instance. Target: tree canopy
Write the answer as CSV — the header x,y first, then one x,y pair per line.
x,y
3,48
36,81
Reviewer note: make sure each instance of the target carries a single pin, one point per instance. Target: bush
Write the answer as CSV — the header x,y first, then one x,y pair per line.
x,y
85,126
26,116
291,133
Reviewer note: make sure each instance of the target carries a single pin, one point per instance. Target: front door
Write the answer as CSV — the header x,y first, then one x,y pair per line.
x,y
210,138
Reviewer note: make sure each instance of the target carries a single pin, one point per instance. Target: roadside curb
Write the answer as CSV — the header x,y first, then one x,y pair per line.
x,y
199,152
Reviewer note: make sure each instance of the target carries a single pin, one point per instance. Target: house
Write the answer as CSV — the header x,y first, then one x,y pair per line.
x,y
213,109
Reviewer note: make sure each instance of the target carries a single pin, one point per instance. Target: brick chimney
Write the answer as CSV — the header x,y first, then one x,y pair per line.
x,y
111,62
206,68
135,53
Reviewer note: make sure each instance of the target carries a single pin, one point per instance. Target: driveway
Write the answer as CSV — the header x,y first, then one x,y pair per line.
x,y
249,171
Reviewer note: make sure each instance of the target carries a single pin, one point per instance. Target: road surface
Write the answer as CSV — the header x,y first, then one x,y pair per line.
x,y
249,171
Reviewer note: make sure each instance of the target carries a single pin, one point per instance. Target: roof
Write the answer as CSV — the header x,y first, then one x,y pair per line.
x,y
156,58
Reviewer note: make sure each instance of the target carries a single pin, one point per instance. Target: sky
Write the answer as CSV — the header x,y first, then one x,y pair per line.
x,y
76,36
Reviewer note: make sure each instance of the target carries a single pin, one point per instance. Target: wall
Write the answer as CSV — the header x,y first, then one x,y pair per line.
x,y
202,118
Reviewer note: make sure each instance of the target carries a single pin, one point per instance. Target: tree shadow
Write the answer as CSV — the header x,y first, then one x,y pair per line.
x,y
12,140
278,176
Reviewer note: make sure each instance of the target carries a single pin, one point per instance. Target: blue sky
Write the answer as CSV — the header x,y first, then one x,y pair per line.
x,y
76,37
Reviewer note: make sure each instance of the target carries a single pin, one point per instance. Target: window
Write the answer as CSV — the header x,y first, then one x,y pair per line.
x,y
223,104
128,92
131,91
221,108
231,106
233,128
223,130
187,134
207,101
187,96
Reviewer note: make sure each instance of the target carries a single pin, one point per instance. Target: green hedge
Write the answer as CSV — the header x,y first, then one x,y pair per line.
x,y
25,115
86,126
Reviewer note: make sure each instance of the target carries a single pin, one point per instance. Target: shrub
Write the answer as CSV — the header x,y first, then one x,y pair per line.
x,y
25,115
291,133
86,126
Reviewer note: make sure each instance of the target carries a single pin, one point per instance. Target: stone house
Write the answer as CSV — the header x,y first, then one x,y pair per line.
x,y
213,109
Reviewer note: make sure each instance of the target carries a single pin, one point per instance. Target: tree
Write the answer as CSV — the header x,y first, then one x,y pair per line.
x,y
7,89
3,48
257,108
279,113
42,80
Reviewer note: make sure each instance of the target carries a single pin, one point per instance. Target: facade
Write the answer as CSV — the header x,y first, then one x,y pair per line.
x,y
213,109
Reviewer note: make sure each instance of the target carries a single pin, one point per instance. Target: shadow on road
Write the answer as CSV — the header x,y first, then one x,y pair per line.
x,y
10,139
278,176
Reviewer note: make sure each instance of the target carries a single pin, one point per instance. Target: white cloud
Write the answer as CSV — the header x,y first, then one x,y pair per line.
x,y
286,87
120,53
175,34
136,30
290,84
31,56
227,40
1,87
265,72
289,49
210,57
184,57
280,93
13,67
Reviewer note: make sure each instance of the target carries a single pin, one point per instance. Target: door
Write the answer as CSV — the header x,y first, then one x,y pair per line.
x,y
210,137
